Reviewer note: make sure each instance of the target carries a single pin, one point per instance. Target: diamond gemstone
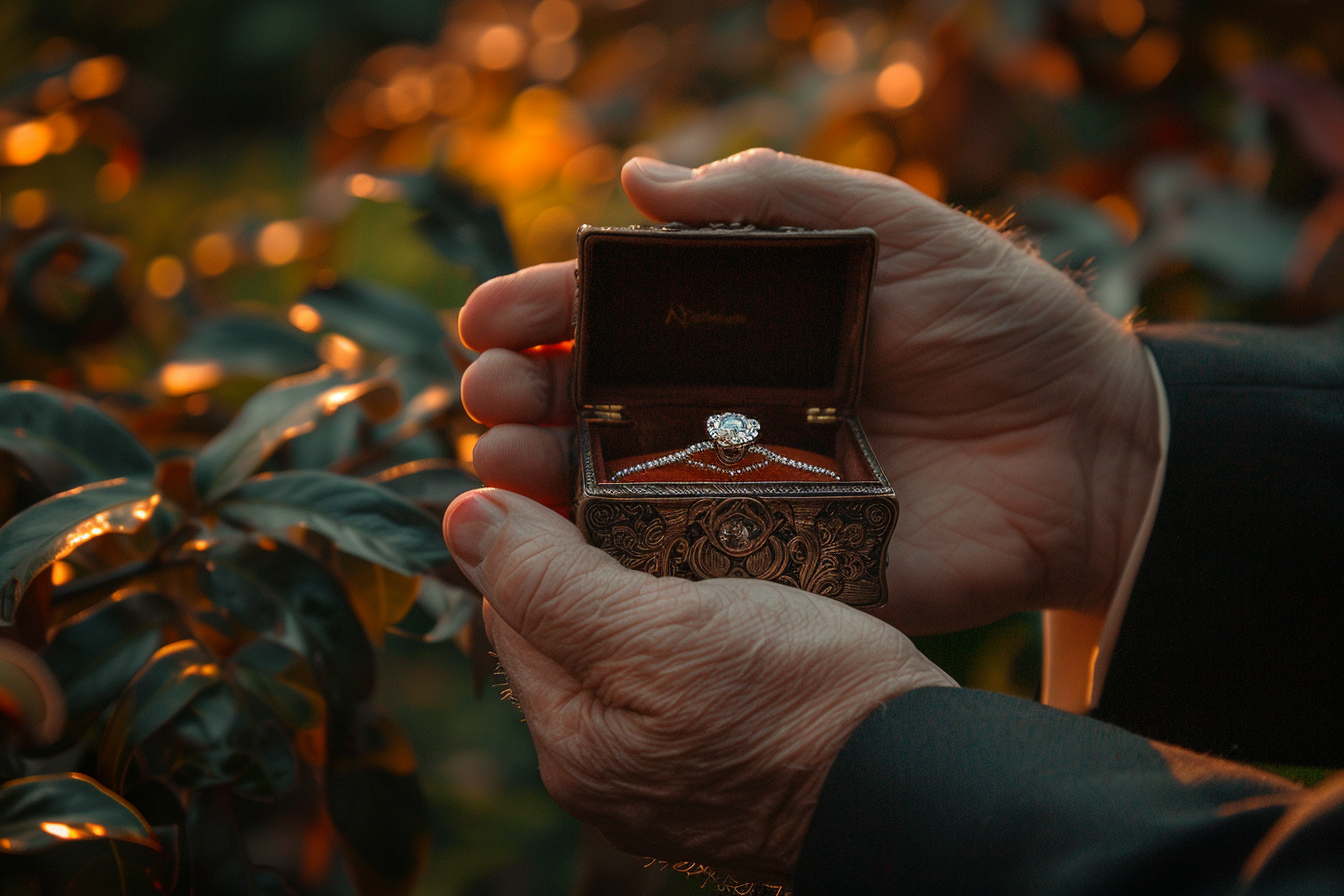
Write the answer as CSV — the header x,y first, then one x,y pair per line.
x,y
730,430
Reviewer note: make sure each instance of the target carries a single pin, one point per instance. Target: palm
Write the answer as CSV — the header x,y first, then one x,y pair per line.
x,y
986,373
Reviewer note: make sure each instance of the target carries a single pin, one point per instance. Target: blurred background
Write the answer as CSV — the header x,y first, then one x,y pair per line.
x,y
1184,157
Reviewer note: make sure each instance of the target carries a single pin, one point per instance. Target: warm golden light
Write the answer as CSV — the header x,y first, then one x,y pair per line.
x,y
340,352
789,19
165,276
61,572
1054,72
553,60
1122,213
213,254
366,186
1151,59
500,47
1123,18
56,829
453,88
410,96
555,20
28,208
27,143
834,49
466,446
305,317
924,177
112,182
64,132
900,85
186,377
98,77
279,243
51,93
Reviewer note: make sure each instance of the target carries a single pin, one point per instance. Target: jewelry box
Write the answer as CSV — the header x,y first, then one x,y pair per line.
x,y
716,376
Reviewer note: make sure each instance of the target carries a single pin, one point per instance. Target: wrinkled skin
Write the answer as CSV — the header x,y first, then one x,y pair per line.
x,y
1016,421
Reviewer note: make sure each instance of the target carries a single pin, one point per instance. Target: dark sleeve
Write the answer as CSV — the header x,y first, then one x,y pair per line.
x,y
958,791
1231,640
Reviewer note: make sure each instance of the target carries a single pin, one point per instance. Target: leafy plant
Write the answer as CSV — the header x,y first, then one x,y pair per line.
x,y
185,681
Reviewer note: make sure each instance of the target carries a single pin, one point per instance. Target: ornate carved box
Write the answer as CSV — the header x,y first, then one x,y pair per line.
x,y
716,373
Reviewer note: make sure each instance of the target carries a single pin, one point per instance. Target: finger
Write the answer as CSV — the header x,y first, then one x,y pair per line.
x,y
531,307
571,601
772,189
503,386
530,460
541,688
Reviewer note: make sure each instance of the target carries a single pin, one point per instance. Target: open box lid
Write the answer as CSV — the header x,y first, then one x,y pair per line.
x,y
672,315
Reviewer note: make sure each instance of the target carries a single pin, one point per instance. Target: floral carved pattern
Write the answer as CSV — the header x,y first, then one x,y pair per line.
x,y
835,548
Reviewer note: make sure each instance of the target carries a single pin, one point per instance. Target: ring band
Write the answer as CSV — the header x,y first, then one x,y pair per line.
x,y
732,436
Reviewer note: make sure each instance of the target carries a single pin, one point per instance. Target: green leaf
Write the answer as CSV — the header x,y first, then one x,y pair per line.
x,y
219,862
379,596
249,345
281,679
165,686
40,812
30,695
383,319
443,611
282,591
362,519
375,801
283,410
97,653
432,403
431,483
44,533
65,440
463,228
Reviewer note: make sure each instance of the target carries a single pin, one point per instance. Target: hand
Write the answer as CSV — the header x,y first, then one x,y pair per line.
x,y
1016,421
688,721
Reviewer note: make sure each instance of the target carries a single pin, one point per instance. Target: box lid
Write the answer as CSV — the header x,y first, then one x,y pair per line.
x,y
674,315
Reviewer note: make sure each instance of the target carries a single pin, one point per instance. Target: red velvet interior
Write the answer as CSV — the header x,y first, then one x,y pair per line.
x,y
653,430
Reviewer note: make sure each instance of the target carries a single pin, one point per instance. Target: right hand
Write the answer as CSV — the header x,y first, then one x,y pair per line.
x,y
1017,422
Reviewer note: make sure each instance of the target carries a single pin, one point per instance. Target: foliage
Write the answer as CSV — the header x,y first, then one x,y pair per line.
x,y
197,631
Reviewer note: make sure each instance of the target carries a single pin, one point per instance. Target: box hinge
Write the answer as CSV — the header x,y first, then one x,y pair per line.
x,y
608,413
822,415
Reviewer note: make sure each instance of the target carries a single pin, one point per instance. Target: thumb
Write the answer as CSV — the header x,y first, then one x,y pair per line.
x,y
541,578
769,188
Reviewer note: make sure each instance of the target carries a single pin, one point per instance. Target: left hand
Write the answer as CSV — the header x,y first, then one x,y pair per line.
x,y
686,720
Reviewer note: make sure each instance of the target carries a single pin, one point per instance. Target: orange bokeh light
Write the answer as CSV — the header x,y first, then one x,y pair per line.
x,y
500,47
1151,59
165,276
213,254
556,20
834,49
1123,18
113,182
900,85
305,317
28,208
98,77
26,143
279,243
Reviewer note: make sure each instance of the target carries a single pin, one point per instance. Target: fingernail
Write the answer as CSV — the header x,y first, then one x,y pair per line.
x,y
471,527
663,172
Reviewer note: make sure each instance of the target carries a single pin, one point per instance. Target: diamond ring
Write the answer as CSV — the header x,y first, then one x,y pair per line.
x,y
732,436
731,433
